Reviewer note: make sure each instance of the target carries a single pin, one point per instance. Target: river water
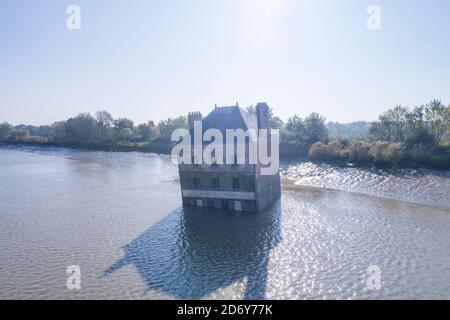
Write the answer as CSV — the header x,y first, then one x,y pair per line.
x,y
118,217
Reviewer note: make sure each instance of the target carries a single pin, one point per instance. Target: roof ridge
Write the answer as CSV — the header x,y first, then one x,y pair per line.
x,y
247,121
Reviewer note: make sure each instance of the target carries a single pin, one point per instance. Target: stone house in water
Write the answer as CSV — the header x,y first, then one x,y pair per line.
x,y
238,187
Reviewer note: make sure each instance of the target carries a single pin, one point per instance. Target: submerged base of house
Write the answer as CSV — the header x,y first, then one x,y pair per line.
x,y
251,200
226,204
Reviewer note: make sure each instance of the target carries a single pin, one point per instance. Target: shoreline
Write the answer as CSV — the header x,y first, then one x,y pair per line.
x,y
155,148
164,149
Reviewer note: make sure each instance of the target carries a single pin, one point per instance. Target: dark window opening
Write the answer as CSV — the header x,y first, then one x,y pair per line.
x,y
213,156
249,205
225,204
216,183
236,184
197,183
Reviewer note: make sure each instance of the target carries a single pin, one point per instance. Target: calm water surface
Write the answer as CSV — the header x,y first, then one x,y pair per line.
x,y
118,217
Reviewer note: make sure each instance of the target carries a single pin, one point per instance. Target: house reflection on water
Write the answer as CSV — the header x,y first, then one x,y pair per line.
x,y
193,252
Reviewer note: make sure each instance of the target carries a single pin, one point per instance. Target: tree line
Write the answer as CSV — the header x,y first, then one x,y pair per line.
x,y
100,131
425,124
400,136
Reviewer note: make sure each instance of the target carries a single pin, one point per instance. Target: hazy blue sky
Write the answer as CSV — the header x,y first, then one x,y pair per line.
x,y
155,59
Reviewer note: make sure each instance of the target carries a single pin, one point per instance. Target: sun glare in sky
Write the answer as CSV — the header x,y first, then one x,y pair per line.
x,y
160,59
268,6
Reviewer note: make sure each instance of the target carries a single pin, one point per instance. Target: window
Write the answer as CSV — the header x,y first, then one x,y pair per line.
x,y
197,184
216,183
249,205
226,204
237,206
236,184
218,204
213,158
199,203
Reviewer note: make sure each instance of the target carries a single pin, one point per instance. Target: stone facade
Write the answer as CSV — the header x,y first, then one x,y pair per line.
x,y
238,187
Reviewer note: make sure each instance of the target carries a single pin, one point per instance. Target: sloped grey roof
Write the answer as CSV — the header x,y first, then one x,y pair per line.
x,y
233,117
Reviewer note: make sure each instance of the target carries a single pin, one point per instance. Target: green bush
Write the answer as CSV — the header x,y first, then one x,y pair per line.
x,y
125,134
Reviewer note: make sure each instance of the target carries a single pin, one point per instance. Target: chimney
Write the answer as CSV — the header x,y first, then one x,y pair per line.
x,y
262,115
192,117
